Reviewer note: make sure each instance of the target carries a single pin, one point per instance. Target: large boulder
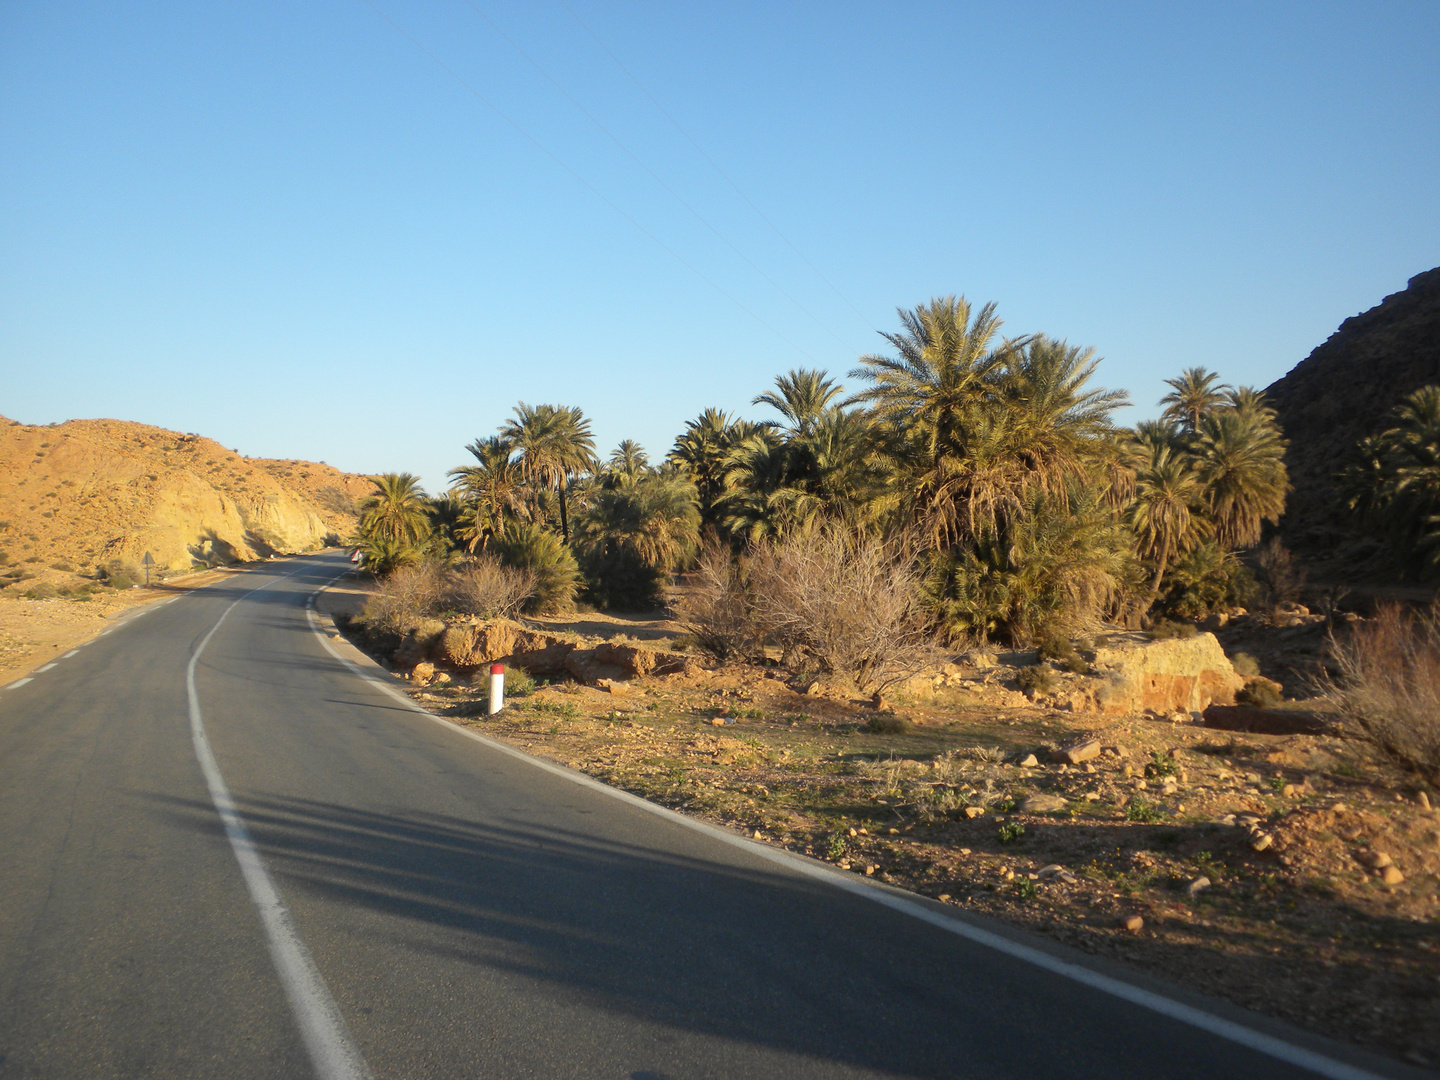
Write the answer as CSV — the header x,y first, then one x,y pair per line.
x,y
1167,675
474,642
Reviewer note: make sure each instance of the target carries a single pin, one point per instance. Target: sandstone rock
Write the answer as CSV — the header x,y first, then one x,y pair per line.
x,y
470,643
1423,800
1132,923
423,673
1391,875
1043,804
1195,887
1165,676
1376,860
612,686
1029,761
1261,841
973,812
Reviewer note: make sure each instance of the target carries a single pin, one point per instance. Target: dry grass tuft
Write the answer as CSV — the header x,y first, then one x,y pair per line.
x,y
1389,688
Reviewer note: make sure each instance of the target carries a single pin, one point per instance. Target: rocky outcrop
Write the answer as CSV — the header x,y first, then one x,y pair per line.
x,y
472,642
1344,390
1170,675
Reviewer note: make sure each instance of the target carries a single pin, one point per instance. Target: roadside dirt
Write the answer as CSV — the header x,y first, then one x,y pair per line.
x,y
1289,874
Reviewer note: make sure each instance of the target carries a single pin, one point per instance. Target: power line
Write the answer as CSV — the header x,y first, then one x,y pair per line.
x,y
723,175
581,180
652,174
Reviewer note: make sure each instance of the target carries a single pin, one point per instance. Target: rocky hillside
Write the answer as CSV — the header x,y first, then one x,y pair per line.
x,y
80,494
1343,391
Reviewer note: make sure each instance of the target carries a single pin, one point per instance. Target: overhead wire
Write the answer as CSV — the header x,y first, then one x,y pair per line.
x,y
714,165
582,181
652,174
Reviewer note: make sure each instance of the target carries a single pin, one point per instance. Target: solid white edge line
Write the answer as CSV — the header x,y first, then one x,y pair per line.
x,y
332,1051
1239,1034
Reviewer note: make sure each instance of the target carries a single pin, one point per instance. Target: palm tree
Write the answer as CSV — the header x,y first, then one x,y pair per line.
x,y
1239,460
555,446
628,463
802,397
656,516
1162,515
396,511
491,489
1195,393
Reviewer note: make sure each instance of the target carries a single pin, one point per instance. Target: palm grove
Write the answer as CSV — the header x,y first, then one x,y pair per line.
x,y
974,488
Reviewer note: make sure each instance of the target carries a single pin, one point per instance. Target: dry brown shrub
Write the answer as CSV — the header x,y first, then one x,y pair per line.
x,y
489,589
1389,687
849,600
480,587
717,611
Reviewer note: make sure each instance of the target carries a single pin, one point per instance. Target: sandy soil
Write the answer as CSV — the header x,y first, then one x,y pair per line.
x,y
32,632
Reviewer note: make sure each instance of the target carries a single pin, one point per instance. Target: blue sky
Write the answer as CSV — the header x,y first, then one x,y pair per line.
x,y
360,231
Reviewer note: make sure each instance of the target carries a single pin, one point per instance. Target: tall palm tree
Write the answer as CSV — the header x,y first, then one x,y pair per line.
x,y
555,446
1162,516
802,397
396,511
491,490
1195,393
1239,460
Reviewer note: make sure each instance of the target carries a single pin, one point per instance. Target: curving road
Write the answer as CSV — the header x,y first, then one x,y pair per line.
x,y
228,854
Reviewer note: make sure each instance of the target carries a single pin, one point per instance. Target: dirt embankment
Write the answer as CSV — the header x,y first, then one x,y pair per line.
x,y
1288,873
85,492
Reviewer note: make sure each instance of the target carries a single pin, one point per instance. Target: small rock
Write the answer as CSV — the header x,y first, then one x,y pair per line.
x,y
757,835
1228,819
1261,841
853,832
1132,923
1377,860
1128,771
1029,761
1049,871
1043,804
1247,819
1423,800
972,812
719,721
1080,752
1289,791
944,898
1197,885
423,672
1391,875
870,870
1090,769
1092,796
1338,808
964,851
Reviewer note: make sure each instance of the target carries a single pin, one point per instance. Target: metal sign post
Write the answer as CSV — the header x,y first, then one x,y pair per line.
x,y
147,562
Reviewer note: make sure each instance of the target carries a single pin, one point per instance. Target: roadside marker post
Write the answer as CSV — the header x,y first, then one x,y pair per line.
x,y
147,562
497,688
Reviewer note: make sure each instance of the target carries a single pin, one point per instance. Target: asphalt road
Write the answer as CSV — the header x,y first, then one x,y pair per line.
x,y
440,907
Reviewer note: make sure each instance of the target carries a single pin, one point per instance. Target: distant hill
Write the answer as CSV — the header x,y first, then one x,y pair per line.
x,y
85,492
1345,390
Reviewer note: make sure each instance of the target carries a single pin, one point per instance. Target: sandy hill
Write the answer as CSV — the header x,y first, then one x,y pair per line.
x,y
1345,390
85,492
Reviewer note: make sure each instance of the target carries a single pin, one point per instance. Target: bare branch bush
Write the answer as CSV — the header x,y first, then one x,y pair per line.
x,y
848,599
717,611
1389,687
487,588
428,589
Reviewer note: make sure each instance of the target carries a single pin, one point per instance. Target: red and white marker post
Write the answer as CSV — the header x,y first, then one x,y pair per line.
x,y
497,688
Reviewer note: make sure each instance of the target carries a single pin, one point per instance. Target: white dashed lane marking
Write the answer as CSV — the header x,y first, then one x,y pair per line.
x,y
47,667
18,683
69,654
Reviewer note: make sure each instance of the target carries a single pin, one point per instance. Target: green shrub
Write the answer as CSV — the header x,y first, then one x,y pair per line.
x,y
42,591
1141,811
1259,694
557,577
1012,832
1035,679
518,682
1245,664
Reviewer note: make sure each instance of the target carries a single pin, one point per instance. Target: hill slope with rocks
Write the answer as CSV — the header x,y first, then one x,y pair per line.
x,y
1345,390
82,494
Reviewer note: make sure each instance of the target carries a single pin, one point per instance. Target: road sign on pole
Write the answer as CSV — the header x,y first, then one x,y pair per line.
x,y
147,562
